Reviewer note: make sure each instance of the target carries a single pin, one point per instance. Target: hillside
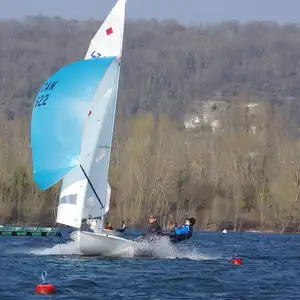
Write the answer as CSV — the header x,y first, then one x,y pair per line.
x,y
167,68
243,175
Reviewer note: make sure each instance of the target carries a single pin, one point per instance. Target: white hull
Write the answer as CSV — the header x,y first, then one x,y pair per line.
x,y
91,243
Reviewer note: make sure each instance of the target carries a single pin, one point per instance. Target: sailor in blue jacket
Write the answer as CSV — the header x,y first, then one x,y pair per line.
x,y
183,232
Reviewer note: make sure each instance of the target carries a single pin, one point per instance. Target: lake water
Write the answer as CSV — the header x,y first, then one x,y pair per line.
x,y
199,269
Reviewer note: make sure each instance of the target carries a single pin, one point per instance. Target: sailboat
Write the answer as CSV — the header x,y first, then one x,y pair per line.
x,y
71,136
108,41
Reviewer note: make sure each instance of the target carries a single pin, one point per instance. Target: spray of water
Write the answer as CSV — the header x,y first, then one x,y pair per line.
x,y
159,248
59,249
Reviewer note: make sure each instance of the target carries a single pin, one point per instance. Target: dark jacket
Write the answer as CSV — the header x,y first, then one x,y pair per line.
x,y
153,228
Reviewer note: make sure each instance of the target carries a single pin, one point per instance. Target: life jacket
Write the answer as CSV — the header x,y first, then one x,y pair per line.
x,y
181,237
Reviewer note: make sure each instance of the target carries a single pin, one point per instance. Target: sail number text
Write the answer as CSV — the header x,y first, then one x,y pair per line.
x,y
95,54
45,93
41,100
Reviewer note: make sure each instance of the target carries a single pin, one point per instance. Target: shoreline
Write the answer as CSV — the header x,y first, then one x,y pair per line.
x,y
266,231
251,231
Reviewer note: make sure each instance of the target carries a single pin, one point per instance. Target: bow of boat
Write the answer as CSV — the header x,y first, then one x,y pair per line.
x,y
104,244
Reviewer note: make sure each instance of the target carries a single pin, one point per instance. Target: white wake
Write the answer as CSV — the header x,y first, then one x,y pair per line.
x,y
160,248
59,249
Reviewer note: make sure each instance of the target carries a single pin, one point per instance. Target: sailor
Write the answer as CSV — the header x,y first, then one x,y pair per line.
x,y
153,226
123,225
108,226
152,229
95,224
184,232
122,228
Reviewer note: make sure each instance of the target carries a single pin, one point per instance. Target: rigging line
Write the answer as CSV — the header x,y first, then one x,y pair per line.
x,y
91,185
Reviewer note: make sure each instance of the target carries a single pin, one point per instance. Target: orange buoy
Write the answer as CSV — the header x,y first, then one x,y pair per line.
x,y
45,289
236,261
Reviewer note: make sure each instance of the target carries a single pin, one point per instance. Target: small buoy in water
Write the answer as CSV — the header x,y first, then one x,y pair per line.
x,y
236,260
224,231
44,287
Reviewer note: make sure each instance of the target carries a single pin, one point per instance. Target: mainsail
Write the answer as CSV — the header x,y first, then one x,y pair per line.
x,y
95,196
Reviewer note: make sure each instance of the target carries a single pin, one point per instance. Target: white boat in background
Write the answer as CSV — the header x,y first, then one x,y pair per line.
x,y
113,232
96,226
76,143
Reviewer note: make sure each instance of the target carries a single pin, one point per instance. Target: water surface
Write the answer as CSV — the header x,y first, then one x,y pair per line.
x,y
198,269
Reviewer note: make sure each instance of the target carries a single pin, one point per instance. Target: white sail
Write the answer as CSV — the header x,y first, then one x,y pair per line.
x,y
97,140
71,200
108,41
83,198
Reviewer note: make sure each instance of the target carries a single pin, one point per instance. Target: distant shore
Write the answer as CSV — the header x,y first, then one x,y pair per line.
x,y
138,227
251,230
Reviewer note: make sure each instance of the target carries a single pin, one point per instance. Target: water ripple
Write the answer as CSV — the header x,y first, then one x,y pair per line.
x,y
200,269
